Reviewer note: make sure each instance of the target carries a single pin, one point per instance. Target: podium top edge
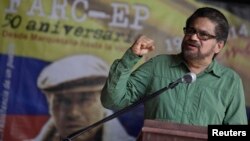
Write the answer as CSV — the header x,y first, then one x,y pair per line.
x,y
174,126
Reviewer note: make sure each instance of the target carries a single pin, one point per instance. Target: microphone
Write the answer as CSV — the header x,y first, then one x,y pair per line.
x,y
187,78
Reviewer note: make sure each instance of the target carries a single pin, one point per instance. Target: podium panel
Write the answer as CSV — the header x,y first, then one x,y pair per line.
x,y
154,130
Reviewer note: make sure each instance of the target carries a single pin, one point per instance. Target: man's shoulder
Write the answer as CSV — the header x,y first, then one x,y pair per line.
x,y
166,57
228,72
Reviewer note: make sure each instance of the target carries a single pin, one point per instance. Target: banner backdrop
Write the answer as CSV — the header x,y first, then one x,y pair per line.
x,y
35,33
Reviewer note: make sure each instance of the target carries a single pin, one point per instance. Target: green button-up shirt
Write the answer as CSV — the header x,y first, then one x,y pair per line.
x,y
216,97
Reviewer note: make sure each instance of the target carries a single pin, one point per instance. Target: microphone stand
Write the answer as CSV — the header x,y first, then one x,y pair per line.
x,y
116,114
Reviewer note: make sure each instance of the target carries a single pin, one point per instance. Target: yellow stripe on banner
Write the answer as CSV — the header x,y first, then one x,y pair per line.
x,y
56,48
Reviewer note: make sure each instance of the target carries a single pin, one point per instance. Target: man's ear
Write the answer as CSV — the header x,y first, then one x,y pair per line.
x,y
49,96
219,46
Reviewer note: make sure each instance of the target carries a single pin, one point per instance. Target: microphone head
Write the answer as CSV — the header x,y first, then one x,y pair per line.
x,y
189,78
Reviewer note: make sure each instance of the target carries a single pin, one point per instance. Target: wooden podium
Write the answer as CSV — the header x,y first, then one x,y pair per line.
x,y
154,130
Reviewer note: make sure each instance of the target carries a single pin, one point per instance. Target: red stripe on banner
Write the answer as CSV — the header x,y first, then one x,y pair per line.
x,y
19,128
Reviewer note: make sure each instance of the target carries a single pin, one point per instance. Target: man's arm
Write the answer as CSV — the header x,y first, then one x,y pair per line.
x,y
123,88
236,111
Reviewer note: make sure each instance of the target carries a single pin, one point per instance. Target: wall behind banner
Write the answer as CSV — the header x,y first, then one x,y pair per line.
x,y
35,33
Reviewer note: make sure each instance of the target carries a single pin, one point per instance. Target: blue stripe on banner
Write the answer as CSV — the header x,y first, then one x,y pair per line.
x,y
19,92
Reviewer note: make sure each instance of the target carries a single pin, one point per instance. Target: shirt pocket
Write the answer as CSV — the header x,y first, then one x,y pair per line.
x,y
208,107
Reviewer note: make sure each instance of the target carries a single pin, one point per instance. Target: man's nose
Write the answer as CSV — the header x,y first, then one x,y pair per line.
x,y
74,109
194,36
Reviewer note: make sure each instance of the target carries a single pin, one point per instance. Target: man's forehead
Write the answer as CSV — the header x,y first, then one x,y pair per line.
x,y
203,24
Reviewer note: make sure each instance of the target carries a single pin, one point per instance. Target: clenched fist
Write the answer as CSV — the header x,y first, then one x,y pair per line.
x,y
143,45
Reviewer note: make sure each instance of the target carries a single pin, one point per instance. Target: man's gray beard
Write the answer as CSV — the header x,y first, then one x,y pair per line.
x,y
192,56
196,56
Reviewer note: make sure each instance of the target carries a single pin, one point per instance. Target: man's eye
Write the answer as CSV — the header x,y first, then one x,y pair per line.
x,y
204,34
87,97
190,31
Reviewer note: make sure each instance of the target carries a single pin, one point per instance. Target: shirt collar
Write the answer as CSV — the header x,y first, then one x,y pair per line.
x,y
177,60
213,68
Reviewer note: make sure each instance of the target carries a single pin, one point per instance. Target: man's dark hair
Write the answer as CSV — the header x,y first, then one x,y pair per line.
x,y
222,27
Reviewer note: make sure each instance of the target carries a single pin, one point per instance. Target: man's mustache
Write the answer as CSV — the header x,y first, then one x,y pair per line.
x,y
193,43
